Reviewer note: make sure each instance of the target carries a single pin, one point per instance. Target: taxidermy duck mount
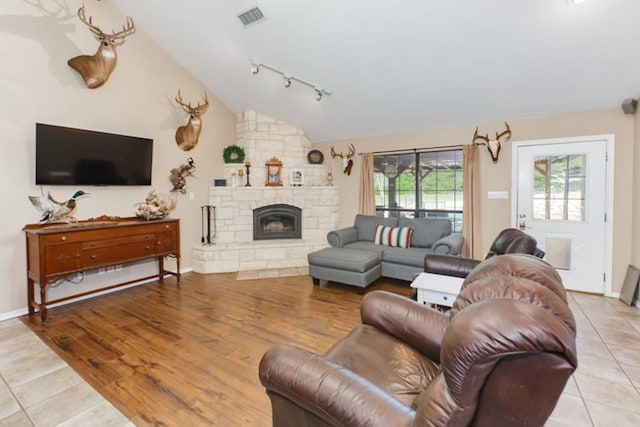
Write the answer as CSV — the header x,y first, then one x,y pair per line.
x,y
53,210
178,176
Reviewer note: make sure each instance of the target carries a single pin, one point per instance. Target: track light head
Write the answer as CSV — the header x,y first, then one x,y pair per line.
x,y
255,69
287,80
319,94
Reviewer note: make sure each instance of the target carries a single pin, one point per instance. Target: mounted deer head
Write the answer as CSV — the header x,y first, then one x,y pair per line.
x,y
96,69
493,145
187,135
347,163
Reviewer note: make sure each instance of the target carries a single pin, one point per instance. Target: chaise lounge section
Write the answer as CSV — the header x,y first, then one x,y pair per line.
x,y
377,246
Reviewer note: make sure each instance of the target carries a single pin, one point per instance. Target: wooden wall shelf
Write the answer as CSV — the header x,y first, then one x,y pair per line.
x,y
58,250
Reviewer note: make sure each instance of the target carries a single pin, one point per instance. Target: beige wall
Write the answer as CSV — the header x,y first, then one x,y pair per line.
x,y
37,85
496,214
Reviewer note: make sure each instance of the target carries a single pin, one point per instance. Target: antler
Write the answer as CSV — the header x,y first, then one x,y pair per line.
x,y
351,152
198,110
89,22
506,134
127,29
476,137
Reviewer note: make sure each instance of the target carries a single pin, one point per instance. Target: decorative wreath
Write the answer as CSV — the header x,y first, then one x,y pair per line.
x,y
233,154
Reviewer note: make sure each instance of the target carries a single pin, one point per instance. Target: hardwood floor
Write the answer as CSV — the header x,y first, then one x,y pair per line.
x,y
173,356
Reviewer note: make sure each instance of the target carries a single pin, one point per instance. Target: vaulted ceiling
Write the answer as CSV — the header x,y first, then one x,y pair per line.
x,y
396,66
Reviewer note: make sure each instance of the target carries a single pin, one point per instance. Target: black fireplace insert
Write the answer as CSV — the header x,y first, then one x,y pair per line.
x,y
277,221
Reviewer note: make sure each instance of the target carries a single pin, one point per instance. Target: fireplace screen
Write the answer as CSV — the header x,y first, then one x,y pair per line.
x,y
277,222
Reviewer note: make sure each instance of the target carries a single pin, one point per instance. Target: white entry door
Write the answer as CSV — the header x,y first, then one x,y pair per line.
x,y
561,200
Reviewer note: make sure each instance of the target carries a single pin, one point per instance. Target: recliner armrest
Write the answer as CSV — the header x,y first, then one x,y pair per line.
x,y
340,237
449,245
419,326
328,391
449,265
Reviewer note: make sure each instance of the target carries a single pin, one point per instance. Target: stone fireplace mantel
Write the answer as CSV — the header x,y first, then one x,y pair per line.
x,y
235,249
264,138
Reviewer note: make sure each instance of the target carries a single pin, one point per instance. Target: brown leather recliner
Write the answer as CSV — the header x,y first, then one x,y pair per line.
x,y
508,241
500,358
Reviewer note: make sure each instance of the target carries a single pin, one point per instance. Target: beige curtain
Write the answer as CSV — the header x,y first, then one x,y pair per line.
x,y
471,202
366,201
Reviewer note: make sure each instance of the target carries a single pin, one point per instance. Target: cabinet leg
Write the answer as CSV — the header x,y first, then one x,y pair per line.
x,y
30,296
178,270
43,304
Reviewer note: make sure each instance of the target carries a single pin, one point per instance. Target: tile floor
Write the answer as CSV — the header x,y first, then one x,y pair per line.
x,y
39,389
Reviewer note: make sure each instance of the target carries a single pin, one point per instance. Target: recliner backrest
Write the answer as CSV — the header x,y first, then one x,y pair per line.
x,y
512,240
508,350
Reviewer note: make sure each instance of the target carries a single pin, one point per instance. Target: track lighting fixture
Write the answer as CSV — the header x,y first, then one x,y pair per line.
x,y
288,79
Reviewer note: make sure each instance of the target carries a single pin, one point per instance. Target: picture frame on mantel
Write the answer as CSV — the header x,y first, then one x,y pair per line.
x,y
296,177
274,173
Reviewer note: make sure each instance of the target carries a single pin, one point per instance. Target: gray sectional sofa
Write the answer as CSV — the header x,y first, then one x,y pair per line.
x,y
355,259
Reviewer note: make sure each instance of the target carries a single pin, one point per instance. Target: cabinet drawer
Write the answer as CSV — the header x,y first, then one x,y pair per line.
x,y
61,258
93,258
62,238
440,298
118,241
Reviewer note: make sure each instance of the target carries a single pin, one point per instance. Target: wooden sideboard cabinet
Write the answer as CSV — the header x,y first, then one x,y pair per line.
x,y
57,251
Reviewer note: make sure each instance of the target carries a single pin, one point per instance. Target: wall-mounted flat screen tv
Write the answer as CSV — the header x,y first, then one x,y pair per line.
x,y
67,156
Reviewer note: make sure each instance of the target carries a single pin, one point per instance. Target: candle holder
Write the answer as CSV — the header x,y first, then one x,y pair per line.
x,y
247,166
240,176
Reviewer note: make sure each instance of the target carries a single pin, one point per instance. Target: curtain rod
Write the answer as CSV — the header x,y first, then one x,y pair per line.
x,y
417,150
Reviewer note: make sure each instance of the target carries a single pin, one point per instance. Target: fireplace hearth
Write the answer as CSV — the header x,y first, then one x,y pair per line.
x,y
279,221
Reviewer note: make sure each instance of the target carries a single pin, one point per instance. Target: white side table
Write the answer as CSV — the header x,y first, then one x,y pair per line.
x,y
437,288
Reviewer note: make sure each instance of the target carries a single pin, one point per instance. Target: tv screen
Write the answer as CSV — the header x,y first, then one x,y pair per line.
x,y
67,156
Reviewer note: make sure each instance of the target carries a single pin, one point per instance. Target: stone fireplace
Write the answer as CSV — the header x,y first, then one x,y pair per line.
x,y
278,221
292,220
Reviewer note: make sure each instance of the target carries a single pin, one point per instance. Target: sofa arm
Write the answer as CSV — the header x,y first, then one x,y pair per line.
x,y
419,326
449,245
340,237
449,265
300,383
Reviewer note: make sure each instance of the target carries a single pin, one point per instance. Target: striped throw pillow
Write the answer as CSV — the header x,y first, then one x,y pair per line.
x,y
393,236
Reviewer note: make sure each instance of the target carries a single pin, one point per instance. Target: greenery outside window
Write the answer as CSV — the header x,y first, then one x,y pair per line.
x,y
420,185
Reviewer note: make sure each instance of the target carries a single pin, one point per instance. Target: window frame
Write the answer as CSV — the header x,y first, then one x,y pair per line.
x,y
417,211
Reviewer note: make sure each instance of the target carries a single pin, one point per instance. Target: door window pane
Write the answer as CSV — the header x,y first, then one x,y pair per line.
x,y
559,187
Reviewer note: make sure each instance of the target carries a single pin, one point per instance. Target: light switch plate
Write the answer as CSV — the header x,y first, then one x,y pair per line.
x,y
498,194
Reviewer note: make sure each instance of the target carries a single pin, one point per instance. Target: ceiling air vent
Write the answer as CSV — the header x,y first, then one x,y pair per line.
x,y
251,16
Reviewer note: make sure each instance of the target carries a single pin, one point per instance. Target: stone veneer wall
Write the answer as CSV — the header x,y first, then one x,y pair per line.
x,y
263,138
235,250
